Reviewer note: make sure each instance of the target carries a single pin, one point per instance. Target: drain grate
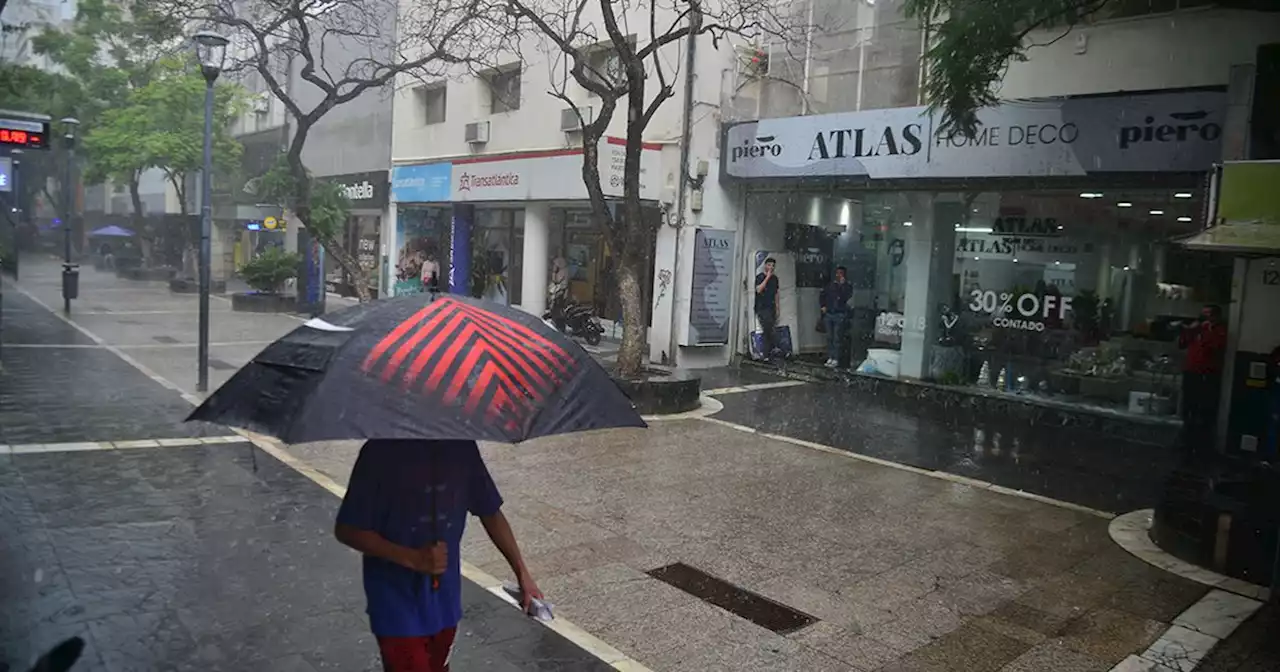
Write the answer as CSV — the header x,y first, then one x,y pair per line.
x,y
164,339
758,609
220,365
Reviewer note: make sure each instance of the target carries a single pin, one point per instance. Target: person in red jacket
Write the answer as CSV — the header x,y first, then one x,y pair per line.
x,y
1205,341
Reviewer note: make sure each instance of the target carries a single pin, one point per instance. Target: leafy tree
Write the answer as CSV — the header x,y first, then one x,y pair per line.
x,y
112,48
271,38
639,76
973,41
162,126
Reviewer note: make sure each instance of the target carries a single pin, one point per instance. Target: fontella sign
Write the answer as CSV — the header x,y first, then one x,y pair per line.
x,y
1169,132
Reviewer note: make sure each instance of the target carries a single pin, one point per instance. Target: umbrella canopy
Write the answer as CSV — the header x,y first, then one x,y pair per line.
x,y
425,366
112,231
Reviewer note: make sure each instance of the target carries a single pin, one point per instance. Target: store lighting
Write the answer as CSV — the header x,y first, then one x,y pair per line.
x,y
1057,263
1156,212
1184,219
906,223
975,259
1015,261
1182,194
1124,204
1126,268
974,229
1090,194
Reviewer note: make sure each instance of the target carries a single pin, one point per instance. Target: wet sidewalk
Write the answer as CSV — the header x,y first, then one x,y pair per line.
x,y
164,548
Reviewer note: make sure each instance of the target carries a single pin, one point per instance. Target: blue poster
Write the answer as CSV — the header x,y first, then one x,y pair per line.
x,y
315,276
421,183
460,248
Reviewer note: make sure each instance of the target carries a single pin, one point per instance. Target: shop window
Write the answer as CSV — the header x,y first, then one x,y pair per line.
x,y
423,235
504,89
432,100
497,255
604,64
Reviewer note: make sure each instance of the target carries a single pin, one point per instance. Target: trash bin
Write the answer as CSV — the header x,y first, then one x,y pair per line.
x,y
70,282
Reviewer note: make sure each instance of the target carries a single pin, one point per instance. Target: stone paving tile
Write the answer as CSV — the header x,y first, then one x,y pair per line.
x,y
1055,656
1110,635
1253,647
860,651
971,649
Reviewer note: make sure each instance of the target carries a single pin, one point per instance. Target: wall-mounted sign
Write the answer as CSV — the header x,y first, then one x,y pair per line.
x,y
6,174
1142,133
421,183
364,191
712,292
550,175
270,223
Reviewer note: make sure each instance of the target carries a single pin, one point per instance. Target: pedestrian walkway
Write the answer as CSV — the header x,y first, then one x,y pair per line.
x,y
168,552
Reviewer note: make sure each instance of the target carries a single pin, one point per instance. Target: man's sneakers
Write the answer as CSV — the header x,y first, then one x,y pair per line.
x,y
831,364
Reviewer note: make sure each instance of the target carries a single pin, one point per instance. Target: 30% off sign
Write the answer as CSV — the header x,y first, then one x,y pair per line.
x,y
1025,311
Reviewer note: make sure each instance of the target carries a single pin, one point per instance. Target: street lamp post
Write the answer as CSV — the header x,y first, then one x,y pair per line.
x,y
211,49
16,184
70,271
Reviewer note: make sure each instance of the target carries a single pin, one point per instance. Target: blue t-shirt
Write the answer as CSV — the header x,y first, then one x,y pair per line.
x,y
395,488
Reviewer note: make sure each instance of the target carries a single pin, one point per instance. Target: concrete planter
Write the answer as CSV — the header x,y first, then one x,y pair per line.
x,y
259,302
658,392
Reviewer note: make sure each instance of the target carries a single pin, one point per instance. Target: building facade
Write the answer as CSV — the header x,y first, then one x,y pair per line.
x,y
1040,258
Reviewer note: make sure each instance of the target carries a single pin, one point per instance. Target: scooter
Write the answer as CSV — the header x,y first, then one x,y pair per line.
x,y
575,319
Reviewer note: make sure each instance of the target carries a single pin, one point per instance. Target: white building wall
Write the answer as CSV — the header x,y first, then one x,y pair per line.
x,y
1184,49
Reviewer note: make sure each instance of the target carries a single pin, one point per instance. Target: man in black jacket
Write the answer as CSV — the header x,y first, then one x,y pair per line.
x,y
834,303
767,308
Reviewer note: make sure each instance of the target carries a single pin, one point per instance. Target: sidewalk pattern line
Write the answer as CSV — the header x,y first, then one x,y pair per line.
x,y
131,346
584,640
1193,634
941,475
752,388
80,446
1131,532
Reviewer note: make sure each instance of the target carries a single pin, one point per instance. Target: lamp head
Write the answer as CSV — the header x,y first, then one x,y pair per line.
x,y
211,51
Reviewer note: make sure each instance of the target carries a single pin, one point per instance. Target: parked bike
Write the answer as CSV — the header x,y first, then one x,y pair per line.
x,y
573,318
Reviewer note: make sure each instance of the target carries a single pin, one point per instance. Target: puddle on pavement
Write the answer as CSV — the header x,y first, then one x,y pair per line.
x,y
164,339
743,603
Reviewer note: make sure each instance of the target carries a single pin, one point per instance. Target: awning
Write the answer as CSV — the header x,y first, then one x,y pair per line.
x,y
1247,217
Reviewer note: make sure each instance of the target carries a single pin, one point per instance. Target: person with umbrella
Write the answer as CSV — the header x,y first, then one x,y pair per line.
x,y
421,378
405,510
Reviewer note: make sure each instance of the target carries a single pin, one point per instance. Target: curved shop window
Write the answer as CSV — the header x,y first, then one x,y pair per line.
x,y
1059,296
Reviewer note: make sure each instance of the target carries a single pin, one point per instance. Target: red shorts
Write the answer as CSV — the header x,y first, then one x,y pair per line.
x,y
417,654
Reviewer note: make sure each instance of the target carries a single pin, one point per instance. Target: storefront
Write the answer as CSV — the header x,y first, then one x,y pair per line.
x,y
1040,259
500,226
367,195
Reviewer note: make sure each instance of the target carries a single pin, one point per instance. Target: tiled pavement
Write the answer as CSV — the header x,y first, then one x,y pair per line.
x,y
906,573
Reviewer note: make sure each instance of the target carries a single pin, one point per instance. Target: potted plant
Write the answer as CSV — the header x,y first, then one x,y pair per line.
x,y
267,274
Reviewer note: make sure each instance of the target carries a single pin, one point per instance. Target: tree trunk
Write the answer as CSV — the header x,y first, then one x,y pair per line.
x,y
631,250
302,208
631,353
144,241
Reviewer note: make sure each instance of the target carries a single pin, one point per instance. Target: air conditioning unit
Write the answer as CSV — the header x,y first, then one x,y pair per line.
x,y
261,103
477,133
569,122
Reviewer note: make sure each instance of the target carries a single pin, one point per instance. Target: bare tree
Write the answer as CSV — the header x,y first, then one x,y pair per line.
x,y
270,37
643,41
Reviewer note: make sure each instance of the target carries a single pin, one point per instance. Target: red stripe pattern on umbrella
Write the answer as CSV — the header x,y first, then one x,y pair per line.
x,y
458,352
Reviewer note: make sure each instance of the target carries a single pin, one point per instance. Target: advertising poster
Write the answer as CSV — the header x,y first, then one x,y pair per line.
x,y
712,293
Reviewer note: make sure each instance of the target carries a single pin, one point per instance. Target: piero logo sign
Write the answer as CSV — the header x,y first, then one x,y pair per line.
x,y
1177,132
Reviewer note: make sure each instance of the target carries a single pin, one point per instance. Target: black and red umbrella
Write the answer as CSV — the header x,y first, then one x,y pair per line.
x,y
427,366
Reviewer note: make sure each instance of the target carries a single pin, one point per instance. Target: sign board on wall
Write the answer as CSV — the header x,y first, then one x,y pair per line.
x,y
552,175
1144,133
6,174
421,183
712,292
365,191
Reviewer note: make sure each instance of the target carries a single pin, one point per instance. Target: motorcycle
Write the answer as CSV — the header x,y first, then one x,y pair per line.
x,y
573,318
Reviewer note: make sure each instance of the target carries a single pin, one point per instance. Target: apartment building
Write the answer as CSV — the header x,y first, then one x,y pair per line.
x,y
1030,260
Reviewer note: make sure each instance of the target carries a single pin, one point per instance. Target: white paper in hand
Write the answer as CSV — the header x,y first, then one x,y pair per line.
x,y
539,609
